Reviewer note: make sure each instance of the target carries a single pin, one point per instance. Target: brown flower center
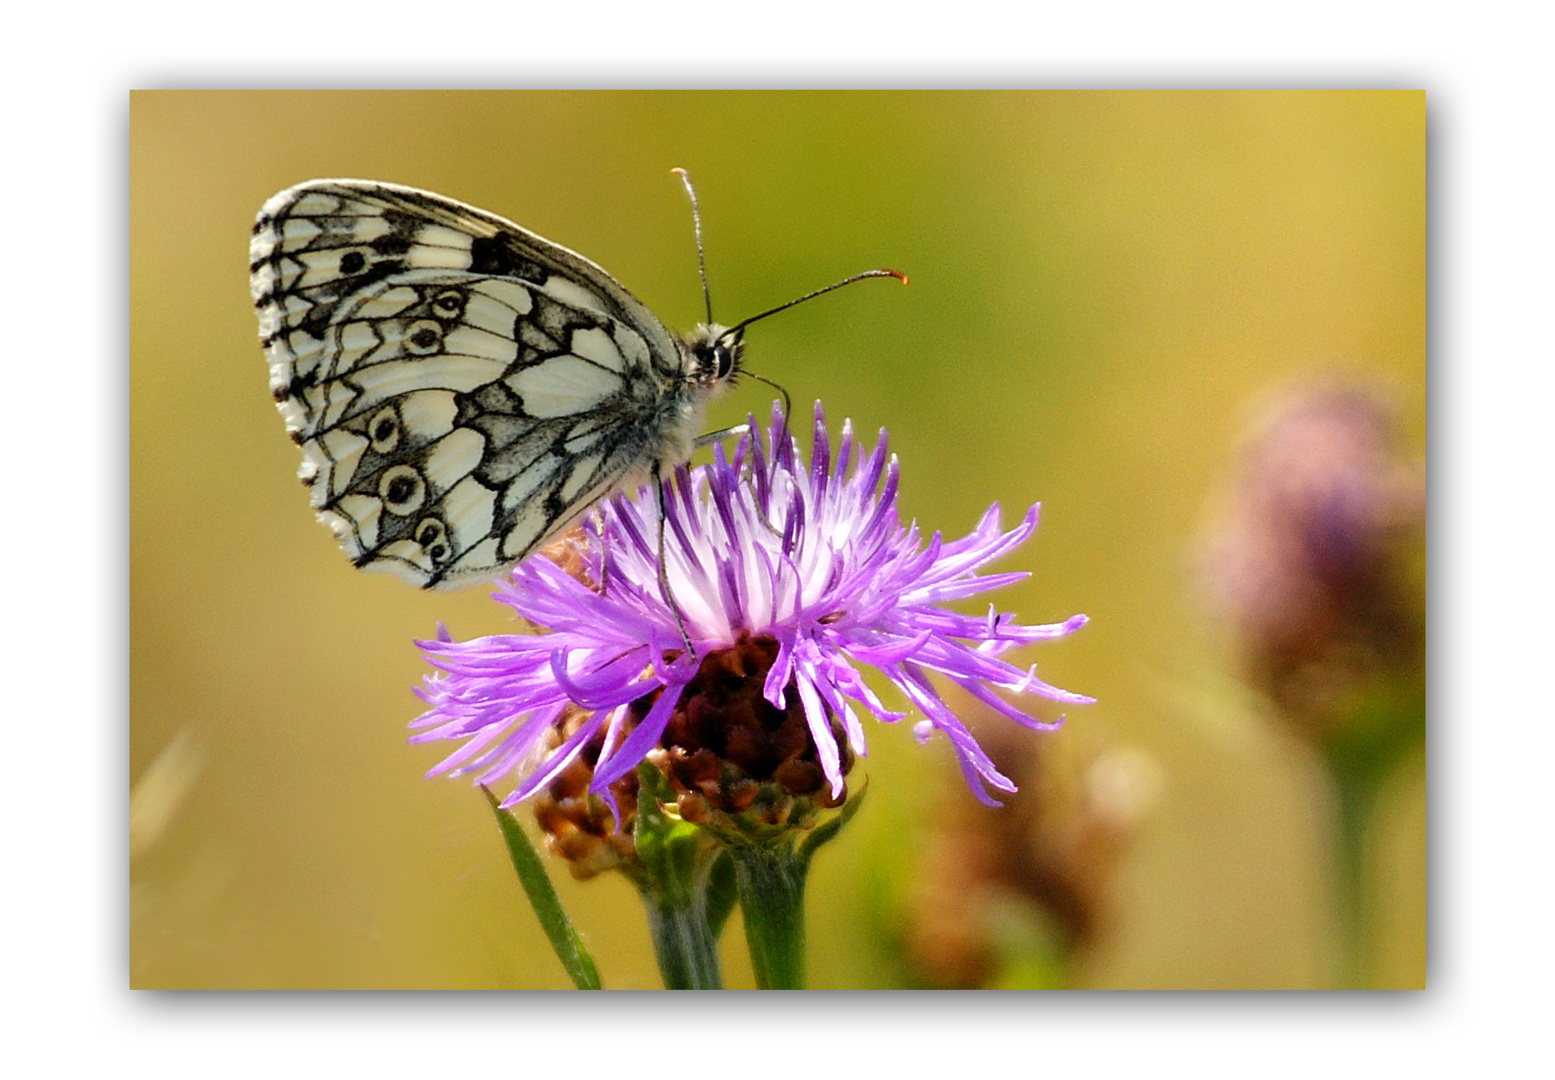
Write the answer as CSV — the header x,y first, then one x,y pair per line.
x,y
727,752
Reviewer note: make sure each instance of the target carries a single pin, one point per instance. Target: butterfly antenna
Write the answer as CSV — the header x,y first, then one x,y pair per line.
x,y
897,274
696,224
788,405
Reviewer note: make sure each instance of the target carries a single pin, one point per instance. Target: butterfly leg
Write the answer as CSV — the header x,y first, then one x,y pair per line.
x,y
721,434
729,433
604,555
664,578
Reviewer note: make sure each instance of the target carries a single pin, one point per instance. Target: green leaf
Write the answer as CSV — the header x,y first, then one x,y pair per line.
x,y
828,831
543,899
662,843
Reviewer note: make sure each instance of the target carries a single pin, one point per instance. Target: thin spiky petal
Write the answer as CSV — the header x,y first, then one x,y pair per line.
x,y
812,560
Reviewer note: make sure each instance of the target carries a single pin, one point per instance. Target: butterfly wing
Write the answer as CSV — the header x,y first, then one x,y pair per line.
x,y
461,389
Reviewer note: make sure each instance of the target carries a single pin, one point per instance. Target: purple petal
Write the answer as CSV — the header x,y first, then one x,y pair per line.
x,y
553,765
639,742
820,731
813,557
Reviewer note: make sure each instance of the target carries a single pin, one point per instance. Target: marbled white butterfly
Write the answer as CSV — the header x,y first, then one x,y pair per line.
x,y
462,389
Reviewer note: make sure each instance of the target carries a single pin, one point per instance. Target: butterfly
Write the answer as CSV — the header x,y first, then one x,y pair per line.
x,y
462,390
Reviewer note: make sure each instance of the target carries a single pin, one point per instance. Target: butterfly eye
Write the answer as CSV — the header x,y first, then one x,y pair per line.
x,y
423,337
384,430
724,357
402,490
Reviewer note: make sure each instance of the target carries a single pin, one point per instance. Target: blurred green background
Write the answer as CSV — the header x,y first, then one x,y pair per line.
x,y
1101,282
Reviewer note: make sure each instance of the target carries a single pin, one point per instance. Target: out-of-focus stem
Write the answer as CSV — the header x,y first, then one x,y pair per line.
x,y
1356,796
771,881
683,941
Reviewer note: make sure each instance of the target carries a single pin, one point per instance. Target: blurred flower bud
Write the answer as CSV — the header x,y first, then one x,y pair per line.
x,y
1309,556
1025,888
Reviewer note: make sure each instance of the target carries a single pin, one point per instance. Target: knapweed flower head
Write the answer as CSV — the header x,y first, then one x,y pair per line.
x,y
1313,553
789,580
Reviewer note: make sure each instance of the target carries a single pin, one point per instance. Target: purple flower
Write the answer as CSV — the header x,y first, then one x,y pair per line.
x,y
757,547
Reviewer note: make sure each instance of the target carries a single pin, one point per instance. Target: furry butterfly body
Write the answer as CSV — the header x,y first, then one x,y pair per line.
x,y
462,389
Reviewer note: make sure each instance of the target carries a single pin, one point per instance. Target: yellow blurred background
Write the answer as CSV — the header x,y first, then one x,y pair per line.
x,y
1102,283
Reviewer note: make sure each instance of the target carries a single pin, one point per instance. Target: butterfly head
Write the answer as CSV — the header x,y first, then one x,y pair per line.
x,y
715,353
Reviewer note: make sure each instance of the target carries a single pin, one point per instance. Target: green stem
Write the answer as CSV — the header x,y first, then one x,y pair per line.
x,y
1365,744
674,869
1356,796
770,881
683,942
